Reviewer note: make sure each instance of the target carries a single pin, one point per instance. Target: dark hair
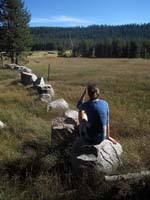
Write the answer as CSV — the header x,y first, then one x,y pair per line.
x,y
93,91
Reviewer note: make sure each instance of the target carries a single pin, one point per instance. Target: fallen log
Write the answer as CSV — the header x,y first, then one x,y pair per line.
x,y
128,176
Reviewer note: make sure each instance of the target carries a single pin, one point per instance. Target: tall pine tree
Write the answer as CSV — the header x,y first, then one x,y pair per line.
x,y
14,28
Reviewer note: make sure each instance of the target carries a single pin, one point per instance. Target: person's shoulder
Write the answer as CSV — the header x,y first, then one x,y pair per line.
x,y
102,101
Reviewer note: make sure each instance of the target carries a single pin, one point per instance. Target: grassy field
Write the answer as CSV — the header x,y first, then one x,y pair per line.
x,y
28,169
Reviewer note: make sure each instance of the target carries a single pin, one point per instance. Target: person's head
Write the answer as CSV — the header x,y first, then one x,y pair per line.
x,y
93,91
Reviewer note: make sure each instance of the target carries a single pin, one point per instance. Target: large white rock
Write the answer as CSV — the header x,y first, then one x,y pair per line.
x,y
58,104
72,115
24,69
2,125
28,78
105,157
12,66
63,131
18,67
45,89
39,82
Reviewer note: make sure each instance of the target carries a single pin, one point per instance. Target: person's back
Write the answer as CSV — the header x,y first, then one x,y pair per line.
x,y
97,112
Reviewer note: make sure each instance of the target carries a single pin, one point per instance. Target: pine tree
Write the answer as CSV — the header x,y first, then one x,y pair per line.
x,y
15,34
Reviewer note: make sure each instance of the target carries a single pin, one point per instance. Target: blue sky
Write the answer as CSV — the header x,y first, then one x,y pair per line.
x,y
87,12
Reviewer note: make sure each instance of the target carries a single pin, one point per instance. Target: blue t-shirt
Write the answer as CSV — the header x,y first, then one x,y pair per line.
x,y
98,116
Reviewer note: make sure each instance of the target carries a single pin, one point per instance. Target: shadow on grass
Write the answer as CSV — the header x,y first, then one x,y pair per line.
x,y
40,159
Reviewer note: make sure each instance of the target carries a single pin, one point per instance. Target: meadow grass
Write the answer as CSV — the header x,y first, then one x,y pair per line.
x,y
28,165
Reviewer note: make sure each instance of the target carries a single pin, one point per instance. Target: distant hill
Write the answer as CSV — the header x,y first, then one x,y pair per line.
x,y
60,38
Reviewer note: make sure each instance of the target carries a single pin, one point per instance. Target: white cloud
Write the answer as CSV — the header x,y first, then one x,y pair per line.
x,y
61,19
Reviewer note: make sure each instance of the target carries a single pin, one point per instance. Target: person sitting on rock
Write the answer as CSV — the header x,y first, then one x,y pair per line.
x,y
93,117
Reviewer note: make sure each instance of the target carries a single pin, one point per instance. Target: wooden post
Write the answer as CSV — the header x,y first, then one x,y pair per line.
x,y
1,60
49,67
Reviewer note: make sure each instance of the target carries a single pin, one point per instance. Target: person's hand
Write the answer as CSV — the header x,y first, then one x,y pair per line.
x,y
112,140
85,91
83,95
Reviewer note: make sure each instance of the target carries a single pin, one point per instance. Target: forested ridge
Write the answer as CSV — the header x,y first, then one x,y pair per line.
x,y
131,40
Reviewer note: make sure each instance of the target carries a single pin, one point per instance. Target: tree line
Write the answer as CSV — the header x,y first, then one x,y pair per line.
x,y
114,48
127,41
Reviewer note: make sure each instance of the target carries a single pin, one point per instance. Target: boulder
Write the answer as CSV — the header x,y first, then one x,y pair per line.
x,y
72,116
105,157
11,66
2,125
28,78
59,104
18,67
39,82
24,69
63,131
45,98
45,89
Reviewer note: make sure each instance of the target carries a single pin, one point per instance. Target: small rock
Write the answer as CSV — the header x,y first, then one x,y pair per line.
x,y
2,125
45,98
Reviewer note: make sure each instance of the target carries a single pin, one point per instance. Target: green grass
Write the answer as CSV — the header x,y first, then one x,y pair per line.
x,y
36,54
29,167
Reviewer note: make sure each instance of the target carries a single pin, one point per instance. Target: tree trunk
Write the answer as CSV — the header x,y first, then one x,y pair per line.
x,y
16,59
12,57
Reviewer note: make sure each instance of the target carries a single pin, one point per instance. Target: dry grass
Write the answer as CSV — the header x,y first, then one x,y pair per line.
x,y
25,144
124,83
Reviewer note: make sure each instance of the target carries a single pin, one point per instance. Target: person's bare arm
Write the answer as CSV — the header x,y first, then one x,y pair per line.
x,y
108,130
81,114
108,135
81,100
83,95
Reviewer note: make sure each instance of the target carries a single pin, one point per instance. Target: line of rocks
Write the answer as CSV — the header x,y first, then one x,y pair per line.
x,y
105,157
